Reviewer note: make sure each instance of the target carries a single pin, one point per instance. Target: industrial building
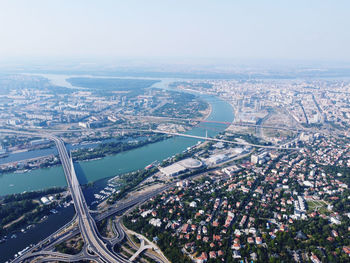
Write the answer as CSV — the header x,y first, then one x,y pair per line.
x,y
181,166
173,169
216,159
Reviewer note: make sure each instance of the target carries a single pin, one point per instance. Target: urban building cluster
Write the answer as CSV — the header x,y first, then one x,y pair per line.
x,y
44,105
308,103
278,205
273,187
33,102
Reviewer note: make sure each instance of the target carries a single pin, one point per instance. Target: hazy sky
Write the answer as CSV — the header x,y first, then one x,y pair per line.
x,y
245,29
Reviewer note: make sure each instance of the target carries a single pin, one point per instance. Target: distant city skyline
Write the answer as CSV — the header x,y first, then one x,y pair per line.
x,y
178,30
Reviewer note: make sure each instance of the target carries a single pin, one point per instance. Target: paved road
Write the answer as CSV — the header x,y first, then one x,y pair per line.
x,y
96,245
98,249
50,255
87,224
53,240
225,141
118,231
142,247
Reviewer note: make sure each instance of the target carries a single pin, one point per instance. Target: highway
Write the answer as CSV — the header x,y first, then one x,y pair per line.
x,y
50,242
225,141
239,124
52,256
96,245
140,250
98,248
87,224
174,134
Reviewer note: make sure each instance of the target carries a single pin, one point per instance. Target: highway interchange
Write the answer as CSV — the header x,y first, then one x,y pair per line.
x,y
87,224
96,248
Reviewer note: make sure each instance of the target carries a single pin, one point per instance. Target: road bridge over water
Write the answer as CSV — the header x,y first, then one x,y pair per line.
x,y
87,224
98,249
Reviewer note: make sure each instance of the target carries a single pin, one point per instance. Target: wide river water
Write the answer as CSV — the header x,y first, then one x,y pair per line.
x,y
97,170
89,171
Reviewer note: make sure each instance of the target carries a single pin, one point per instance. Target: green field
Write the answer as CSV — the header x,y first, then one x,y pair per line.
x,y
317,205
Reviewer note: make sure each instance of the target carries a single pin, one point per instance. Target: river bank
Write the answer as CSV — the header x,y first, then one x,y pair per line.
x,y
99,171
114,165
207,112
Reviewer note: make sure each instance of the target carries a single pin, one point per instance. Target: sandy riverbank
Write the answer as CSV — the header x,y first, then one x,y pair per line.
x,y
207,112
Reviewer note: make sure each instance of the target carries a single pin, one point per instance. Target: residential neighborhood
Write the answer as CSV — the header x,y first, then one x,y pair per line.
x,y
293,205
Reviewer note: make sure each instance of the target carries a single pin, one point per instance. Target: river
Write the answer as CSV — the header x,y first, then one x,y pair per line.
x,y
19,156
99,170
89,171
